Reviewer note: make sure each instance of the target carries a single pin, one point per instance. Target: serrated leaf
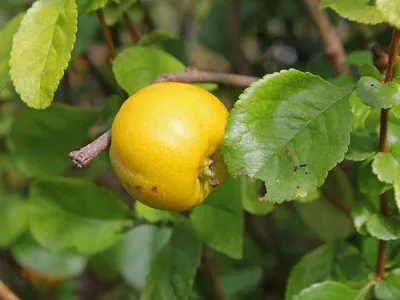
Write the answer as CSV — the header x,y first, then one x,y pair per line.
x,y
173,270
155,215
355,10
389,288
396,188
90,218
384,228
370,71
40,140
327,290
362,145
390,9
373,93
325,220
218,221
360,112
361,211
136,251
29,254
6,37
88,6
113,11
386,167
368,182
41,50
136,67
251,197
13,218
328,262
285,120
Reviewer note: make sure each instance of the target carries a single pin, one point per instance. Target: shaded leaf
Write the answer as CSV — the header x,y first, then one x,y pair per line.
x,y
327,290
361,211
390,9
362,145
384,228
370,71
250,190
158,35
355,10
218,221
285,120
155,215
6,37
113,10
368,182
373,93
389,288
88,6
90,218
29,254
136,67
41,140
13,218
173,270
359,57
41,50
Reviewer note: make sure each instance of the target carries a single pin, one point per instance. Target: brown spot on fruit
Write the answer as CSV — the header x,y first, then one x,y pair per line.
x,y
154,189
137,187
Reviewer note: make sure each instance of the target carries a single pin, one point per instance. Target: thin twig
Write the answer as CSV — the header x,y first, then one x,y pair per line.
x,y
234,31
106,33
337,203
194,75
136,35
384,202
209,268
333,47
86,154
6,293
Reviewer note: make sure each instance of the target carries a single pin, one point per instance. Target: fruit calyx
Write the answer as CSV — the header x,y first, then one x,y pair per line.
x,y
208,172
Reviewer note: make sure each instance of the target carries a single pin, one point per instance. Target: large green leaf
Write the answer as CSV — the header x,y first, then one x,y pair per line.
x,y
325,220
389,289
29,254
390,9
76,216
13,218
173,270
376,94
155,215
384,228
355,10
332,261
288,129
41,140
327,290
6,37
251,200
88,6
41,50
137,249
219,220
136,67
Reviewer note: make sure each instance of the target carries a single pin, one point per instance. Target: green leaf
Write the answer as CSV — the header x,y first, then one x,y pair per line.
x,y
136,67
389,288
41,50
370,71
325,220
360,57
86,34
173,270
241,282
104,264
29,254
251,199
386,167
368,182
218,221
155,215
390,9
356,10
332,261
136,251
88,6
384,228
158,35
362,145
360,112
13,218
327,290
41,140
396,188
373,93
6,37
113,11
76,216
285,121
361,211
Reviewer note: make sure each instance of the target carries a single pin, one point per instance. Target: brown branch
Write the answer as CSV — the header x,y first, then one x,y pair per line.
x,y
328,195
234,31
193,75
86,154
106,33
384,202
209,268
332,45
6,293
136,35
